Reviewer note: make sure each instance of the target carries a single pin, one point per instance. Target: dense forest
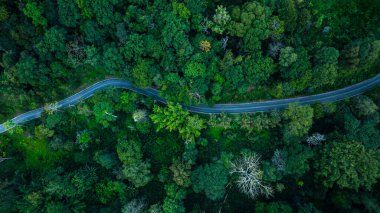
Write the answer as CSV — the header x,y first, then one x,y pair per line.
x,y
119,151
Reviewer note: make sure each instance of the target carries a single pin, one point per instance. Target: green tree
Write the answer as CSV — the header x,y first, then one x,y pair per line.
x,y
349,165
174,35
220,20
258,69
174,118
28,71
181,10
129,151
133,47
173,201
68,13
210,179
288,11
108,190
103,113
363,106
299,73
112,59
53,42
195,69
287,56
250,21
325,70
4,14
102,10
138,173
181,172
92,32
364,131
300,119
277,27
34,11
259,121
171,118
135,169
143,72
272,207
297,157
42,132
106,159
83,139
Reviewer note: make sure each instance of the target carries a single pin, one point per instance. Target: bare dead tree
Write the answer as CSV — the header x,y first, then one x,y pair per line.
x,y
224,41
4,159
250,177
140,115
315,139
109,114
274,49
135,206
278,160
75,51
204,25
51,108
196,96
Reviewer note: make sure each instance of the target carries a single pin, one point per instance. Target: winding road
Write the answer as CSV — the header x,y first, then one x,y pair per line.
x,y
260,106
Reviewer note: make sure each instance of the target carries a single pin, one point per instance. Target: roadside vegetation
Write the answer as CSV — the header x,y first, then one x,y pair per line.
x,y
119,151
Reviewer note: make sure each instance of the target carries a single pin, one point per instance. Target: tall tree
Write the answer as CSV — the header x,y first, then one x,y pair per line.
x,y
210,179
300,119
348,164
103,113
175,118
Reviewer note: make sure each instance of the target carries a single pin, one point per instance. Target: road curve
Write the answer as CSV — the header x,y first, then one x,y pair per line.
x,y
260,106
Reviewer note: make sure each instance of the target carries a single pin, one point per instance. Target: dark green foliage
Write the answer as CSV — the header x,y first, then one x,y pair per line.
x,y
210,179
251,21
134,169
363,106
258,69
107,160
143,73
53,43
92,32
133,47
101,10
173,200
106,191
348,165
103,113
297,157
68,13
300,120
138,173
272,207
325,71
112,59
104,154
129,152
26,69
288,11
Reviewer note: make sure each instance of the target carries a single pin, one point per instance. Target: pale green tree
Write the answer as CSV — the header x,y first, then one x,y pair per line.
x,y
175,118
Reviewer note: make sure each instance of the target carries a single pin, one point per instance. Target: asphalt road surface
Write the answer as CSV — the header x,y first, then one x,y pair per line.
x,y
260,106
